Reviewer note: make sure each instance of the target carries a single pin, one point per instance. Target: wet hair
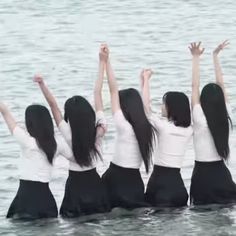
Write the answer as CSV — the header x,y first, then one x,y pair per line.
x,y
213,105
40,126
133,110
178,108
82,119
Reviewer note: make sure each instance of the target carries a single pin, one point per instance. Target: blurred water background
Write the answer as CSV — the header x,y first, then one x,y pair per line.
x,y
60,39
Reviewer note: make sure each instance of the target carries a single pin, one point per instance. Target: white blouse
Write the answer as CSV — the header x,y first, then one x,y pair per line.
x,y
172,142
65,130
34,164
127,153
204,146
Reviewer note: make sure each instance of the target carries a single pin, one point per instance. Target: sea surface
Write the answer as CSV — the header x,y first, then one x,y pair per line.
x,y
60,40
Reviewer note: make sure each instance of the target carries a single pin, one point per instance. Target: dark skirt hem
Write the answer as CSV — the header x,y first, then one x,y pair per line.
x,y
33,200
125,187
166,188
212,183
85,194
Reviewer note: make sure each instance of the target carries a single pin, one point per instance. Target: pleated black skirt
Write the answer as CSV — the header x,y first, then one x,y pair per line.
x,y
33,200
85,194
212,183
124,186
166,188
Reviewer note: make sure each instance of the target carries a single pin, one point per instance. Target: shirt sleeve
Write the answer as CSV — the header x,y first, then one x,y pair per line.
x,y
119,119
101,129
65,131
155,120
64,149
21,136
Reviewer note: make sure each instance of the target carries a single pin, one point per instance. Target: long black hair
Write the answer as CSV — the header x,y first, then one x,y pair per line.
x,y
178,108
133,110
82,119
40,126
213,105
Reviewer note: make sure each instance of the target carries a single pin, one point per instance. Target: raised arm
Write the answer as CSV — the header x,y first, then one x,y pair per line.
x,y
115,100
145,87
50,99
9,119
196,52
218,71
99,82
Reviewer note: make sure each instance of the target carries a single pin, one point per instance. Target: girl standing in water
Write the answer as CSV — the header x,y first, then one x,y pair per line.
x,y
34,199
165,187
83,130
211,180
133,146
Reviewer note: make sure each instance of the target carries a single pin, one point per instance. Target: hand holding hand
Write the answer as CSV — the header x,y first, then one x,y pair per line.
x,y
104,53
195,49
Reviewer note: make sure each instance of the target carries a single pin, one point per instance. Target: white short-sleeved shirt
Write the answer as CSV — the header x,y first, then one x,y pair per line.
x,y
34,164
204,146
65,130
127,153
172,142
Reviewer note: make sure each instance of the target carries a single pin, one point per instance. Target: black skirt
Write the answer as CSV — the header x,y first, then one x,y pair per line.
x,y
212,183
124,186
166,188
33,200
85,194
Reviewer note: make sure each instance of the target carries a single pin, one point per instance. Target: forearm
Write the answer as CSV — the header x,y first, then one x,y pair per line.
x,y
146,96
196,72
9,119
98,87
48,95
111,79
219,75
51,102
115,100
218,71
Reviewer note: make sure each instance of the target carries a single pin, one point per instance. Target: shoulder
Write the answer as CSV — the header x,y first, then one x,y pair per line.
x,y
157,121
118,116
198,114
22,136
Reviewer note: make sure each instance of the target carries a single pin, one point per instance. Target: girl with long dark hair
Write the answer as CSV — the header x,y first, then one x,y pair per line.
x,y
133,146
165,187
83,130
211,180
38,149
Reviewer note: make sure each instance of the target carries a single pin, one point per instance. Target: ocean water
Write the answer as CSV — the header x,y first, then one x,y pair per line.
x,y
60,40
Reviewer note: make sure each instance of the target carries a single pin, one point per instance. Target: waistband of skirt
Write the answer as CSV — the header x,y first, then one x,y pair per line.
x,y
114,166
79,173
32,182
209,163
165,169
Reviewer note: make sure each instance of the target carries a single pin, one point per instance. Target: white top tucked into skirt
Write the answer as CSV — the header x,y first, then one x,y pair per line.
x,y
172,142
127,153
34,164
204,146
65,130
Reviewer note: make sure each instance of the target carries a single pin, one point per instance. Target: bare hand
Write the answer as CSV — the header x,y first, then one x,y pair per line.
x,y
38,79
220,47
104,53
195,49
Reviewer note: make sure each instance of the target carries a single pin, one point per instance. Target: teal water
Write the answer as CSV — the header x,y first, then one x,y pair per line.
x,y
60,39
